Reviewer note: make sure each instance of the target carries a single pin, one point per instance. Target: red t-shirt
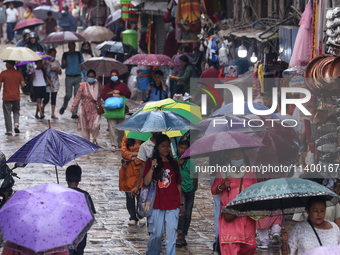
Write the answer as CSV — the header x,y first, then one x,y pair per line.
x,y
210,73
11,79
167,194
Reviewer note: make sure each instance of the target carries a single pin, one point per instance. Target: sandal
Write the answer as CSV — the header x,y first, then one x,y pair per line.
x,y
113,148
16,130
37,116
54,117
42,117
8,133
179,243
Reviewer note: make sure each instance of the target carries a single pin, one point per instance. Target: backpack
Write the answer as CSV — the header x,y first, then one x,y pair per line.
x,y
78,53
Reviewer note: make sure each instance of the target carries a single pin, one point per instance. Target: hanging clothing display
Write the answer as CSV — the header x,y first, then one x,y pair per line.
x,y
213,9
303,43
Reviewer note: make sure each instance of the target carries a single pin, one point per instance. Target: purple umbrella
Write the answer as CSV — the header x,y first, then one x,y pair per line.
x,y
43,56
45,218
220,142
31,4
325,250
53,147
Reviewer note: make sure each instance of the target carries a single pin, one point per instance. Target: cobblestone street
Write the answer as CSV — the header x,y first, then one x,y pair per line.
x,y
111,233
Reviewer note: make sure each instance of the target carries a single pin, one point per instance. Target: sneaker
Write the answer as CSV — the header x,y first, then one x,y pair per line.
x,y
276,239
62,110
142,221
132,223
263,247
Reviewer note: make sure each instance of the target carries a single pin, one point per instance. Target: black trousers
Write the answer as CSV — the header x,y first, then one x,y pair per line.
x,y
131,205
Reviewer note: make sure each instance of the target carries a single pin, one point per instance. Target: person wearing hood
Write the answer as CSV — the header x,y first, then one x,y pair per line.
x,y
115,88
25,39
67,22
33,43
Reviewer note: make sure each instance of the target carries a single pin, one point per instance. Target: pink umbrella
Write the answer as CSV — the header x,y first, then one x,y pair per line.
x,y
208,145
28,23
31,4
150,60
63,37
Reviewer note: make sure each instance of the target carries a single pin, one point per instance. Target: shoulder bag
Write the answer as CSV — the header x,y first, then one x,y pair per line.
x,y
147,199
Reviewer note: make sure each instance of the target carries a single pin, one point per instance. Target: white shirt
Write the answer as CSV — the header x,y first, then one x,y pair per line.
x,y
39,80
146,150
12,15
302,237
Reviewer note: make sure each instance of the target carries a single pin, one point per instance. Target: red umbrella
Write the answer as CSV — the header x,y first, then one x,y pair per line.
x,y
28,23
16,3
63,37
31,4
150,60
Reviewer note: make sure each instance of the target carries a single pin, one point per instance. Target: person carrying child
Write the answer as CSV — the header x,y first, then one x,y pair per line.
x,y
73,177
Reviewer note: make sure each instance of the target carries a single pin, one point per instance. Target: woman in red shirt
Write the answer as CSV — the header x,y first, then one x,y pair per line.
x,y
115,88
168,205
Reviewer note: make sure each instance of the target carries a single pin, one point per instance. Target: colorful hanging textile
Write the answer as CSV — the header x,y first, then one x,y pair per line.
x,y
188,12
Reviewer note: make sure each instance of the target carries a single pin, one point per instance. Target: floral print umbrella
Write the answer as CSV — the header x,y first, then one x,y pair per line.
x,y
150,60
45,218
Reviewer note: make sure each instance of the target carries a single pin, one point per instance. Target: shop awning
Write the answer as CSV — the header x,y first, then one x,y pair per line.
x,y
248,33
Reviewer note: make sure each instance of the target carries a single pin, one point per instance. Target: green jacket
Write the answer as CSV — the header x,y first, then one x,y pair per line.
x,y
185,75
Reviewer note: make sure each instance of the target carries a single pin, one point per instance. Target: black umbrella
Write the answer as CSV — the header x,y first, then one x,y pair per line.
x,y
16,3
117,47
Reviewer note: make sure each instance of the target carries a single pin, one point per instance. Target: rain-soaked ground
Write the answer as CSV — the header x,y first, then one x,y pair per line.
x,y
111,233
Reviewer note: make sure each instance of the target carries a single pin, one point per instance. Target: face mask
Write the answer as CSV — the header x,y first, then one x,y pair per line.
x,y
114,78
52,58
237,163
91,80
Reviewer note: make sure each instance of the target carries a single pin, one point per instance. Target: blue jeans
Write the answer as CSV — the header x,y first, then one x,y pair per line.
x,y
156,230
10,32
217,206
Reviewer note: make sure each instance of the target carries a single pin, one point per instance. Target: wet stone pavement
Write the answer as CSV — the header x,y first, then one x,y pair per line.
x,y
111,233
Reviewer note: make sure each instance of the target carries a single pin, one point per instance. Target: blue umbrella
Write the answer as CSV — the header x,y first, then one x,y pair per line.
x,y
53,147
228,109
155,121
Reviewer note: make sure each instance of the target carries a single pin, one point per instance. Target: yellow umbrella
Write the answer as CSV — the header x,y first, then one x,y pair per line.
x,y
19,54
188,110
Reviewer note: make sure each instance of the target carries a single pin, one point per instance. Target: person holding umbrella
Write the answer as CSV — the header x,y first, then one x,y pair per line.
x,y
71,61
236,234
50,24
168,203
12,17
314,232
115,89
28,13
